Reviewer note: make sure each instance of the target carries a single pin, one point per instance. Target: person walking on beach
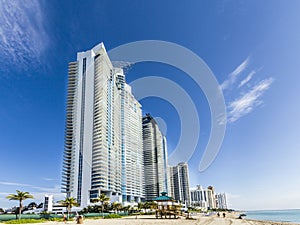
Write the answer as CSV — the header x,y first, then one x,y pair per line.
x,y
77,217
224,214
218,214
65,218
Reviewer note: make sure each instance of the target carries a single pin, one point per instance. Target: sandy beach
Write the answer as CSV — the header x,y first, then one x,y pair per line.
x,y
231,219
197,220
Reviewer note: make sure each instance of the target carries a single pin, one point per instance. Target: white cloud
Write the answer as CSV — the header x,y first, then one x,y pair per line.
x,y
247,102
233,75
22,35
54,189
49,179
222,118
247,79
4,193
14,184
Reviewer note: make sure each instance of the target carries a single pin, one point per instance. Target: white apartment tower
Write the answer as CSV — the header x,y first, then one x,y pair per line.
x,y
211,199
103,134
155,159
199,197
221,202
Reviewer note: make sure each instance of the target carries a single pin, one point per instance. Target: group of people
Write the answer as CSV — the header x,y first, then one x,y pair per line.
x,y
224,214
79,218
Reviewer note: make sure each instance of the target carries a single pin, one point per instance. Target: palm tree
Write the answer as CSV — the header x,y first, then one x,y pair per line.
x,y
141,205
20,196
102,198
126,208
152,205
69,203
116,206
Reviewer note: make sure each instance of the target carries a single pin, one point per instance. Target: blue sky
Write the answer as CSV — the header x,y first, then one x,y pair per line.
x,y
251,47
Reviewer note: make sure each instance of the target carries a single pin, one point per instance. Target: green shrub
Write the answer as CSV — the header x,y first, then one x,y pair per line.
x,y
56,219
111,216
24,221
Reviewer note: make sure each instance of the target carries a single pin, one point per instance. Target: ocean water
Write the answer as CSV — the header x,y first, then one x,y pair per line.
x,y
290,215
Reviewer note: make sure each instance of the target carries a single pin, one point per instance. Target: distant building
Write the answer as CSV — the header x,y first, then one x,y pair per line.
x,y
179,183
48,203
211,200
50,207
155,159
221,201
199,197
207,199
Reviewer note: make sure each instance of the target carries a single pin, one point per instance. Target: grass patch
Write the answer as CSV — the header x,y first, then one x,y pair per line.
x,y
57,219
24,221
112,216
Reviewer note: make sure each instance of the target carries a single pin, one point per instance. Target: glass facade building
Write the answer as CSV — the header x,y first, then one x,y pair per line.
x,y
155,159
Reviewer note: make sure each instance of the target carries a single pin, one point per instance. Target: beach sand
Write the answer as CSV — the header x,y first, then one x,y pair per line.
x,y
231,219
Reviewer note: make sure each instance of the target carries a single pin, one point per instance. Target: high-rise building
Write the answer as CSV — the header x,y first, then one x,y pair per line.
x,y
206,198
132,148
199,197
155,159
179,183
103,134
221,202
211,200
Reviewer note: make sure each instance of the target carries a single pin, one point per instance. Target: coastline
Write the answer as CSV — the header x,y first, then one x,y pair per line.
x,y
268,222
230,219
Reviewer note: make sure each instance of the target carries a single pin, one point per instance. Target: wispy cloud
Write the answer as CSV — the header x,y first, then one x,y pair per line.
x,y
247,79
22,34
54,189
234,74
247,102
250,96
4,193
49,179
14,184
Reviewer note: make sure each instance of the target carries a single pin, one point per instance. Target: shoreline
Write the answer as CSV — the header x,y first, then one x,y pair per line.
x,y
273,222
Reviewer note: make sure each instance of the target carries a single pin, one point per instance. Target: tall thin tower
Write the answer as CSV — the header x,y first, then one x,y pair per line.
x,y
179,183
155,159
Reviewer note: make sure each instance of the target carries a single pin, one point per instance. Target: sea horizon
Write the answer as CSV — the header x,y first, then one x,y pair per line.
x,y
276,215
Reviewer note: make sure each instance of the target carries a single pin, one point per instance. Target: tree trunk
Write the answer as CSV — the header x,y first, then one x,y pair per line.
x,y
68,212
20,209
17,213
